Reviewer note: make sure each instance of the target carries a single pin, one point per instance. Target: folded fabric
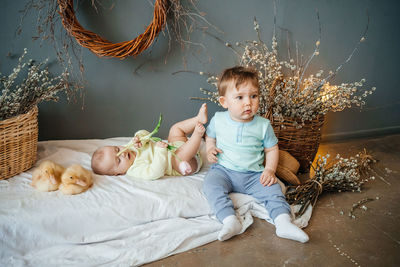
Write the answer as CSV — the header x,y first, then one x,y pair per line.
x,y
117,222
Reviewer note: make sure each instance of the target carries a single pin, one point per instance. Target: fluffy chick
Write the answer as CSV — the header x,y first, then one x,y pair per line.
x,y
47,177
75,180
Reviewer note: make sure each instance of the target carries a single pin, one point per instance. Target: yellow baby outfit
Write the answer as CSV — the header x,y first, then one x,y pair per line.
x,y
153,162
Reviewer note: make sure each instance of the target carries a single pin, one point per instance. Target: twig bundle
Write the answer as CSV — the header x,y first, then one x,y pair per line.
x,y
20,94
105,48
340,175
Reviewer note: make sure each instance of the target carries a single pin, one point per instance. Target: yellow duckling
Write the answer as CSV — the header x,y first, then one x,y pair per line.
x,y
47,177
75,180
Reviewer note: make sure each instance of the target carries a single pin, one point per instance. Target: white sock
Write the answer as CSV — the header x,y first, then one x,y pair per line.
x,y
286,229
231,227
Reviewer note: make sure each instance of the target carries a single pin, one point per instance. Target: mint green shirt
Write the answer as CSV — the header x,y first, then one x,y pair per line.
x,y
242,143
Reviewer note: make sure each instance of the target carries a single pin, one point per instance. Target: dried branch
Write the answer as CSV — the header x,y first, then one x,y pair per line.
x,y
19,95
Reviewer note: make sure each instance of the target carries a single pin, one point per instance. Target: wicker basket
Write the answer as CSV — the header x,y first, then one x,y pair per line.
x,y
18,143
301,143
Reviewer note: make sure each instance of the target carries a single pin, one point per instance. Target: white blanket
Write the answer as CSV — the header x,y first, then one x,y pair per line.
x,y
117,222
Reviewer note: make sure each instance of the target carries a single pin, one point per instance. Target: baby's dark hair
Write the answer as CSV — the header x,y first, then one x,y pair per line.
x,y
238,75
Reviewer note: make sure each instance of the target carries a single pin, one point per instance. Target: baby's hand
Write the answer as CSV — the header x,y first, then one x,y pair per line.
x,y
161,144
136,142
268,178
199,129
212,154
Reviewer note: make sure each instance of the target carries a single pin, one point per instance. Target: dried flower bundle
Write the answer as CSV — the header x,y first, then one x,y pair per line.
x,y
285,89
339,175
37,86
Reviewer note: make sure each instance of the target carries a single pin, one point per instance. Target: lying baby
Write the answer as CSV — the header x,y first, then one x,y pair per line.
x,y
152,160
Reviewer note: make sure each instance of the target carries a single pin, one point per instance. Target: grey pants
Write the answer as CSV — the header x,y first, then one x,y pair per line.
x,y
220,181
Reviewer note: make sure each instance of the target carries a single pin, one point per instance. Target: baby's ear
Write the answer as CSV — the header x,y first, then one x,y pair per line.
x,y
222,101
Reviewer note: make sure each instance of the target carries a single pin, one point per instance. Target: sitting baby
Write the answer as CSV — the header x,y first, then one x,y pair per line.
x,y
152,160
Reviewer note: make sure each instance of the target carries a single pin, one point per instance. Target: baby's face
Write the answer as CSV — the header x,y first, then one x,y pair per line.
x,y
242,103
117,165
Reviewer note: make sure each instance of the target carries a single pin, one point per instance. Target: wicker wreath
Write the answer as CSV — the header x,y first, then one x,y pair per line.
x,y
105,48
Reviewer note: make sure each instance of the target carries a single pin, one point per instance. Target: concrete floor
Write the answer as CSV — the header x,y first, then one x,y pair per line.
x,y
371,239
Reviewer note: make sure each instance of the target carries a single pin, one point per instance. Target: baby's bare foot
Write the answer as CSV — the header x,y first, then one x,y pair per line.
x,y
184,168
202,115
199,129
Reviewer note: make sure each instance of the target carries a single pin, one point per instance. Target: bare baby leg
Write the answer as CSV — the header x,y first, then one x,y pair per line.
x,y
187,151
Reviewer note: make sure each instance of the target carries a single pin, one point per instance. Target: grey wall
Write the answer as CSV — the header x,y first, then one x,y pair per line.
x,y
117,102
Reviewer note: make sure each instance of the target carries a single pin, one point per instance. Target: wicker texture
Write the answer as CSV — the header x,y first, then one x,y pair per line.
x,y
301,143
105,48
18,143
